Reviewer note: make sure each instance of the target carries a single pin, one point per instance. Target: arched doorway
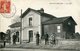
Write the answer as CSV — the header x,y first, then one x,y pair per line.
x,y
17,35
30,35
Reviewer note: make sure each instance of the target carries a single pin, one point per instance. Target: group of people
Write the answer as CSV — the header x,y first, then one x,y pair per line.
x,y
14,39
48,39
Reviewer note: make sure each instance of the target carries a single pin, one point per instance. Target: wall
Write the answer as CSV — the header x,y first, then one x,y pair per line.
x,y
36,25
69,28
52,28
43,18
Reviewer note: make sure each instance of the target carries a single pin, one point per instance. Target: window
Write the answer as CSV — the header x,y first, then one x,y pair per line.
x,y
58,29
69,23
30,21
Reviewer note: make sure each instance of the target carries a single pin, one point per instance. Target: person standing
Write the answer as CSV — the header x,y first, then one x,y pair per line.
x,y
52,39
37,38
14,39
4,43
46,38
4,39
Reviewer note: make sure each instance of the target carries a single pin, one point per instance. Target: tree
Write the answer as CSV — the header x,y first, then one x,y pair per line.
x,y
77,35
16,19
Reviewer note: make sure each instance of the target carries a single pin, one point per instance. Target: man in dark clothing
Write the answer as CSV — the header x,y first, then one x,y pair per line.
x,y
14,39
37,38
4,43
46,39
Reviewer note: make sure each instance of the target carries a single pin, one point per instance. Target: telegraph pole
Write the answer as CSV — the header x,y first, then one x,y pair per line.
x,y
21,28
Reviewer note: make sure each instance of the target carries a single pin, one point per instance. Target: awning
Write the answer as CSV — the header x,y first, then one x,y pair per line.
x,y
17,24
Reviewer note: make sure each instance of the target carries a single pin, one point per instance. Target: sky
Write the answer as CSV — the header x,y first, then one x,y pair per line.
x,y
58,8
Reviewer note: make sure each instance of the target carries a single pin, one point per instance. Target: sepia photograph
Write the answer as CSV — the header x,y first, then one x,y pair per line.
x,y
39,25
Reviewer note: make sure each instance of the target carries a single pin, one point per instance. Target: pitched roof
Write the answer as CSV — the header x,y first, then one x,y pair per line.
x,y
54,19
38,11
2,33
14,25
57,20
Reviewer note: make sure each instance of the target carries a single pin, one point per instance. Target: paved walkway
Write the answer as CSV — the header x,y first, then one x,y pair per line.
x,y
20,49
33,46
43,46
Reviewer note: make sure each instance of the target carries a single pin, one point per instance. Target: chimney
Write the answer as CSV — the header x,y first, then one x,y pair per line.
x,y
42,10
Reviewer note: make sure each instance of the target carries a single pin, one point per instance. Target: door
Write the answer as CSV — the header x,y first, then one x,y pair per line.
x,y
17,36
30,35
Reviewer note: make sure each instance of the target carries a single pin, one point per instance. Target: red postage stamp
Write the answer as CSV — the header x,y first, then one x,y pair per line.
x,y
5,6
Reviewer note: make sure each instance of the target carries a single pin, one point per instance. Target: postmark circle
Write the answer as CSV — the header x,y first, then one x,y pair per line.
x,y
12,12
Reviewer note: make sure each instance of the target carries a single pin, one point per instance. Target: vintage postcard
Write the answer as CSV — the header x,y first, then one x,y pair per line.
x,y
39,25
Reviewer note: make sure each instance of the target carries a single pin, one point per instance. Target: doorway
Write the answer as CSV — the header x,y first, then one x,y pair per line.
x,y
17,36
30,35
